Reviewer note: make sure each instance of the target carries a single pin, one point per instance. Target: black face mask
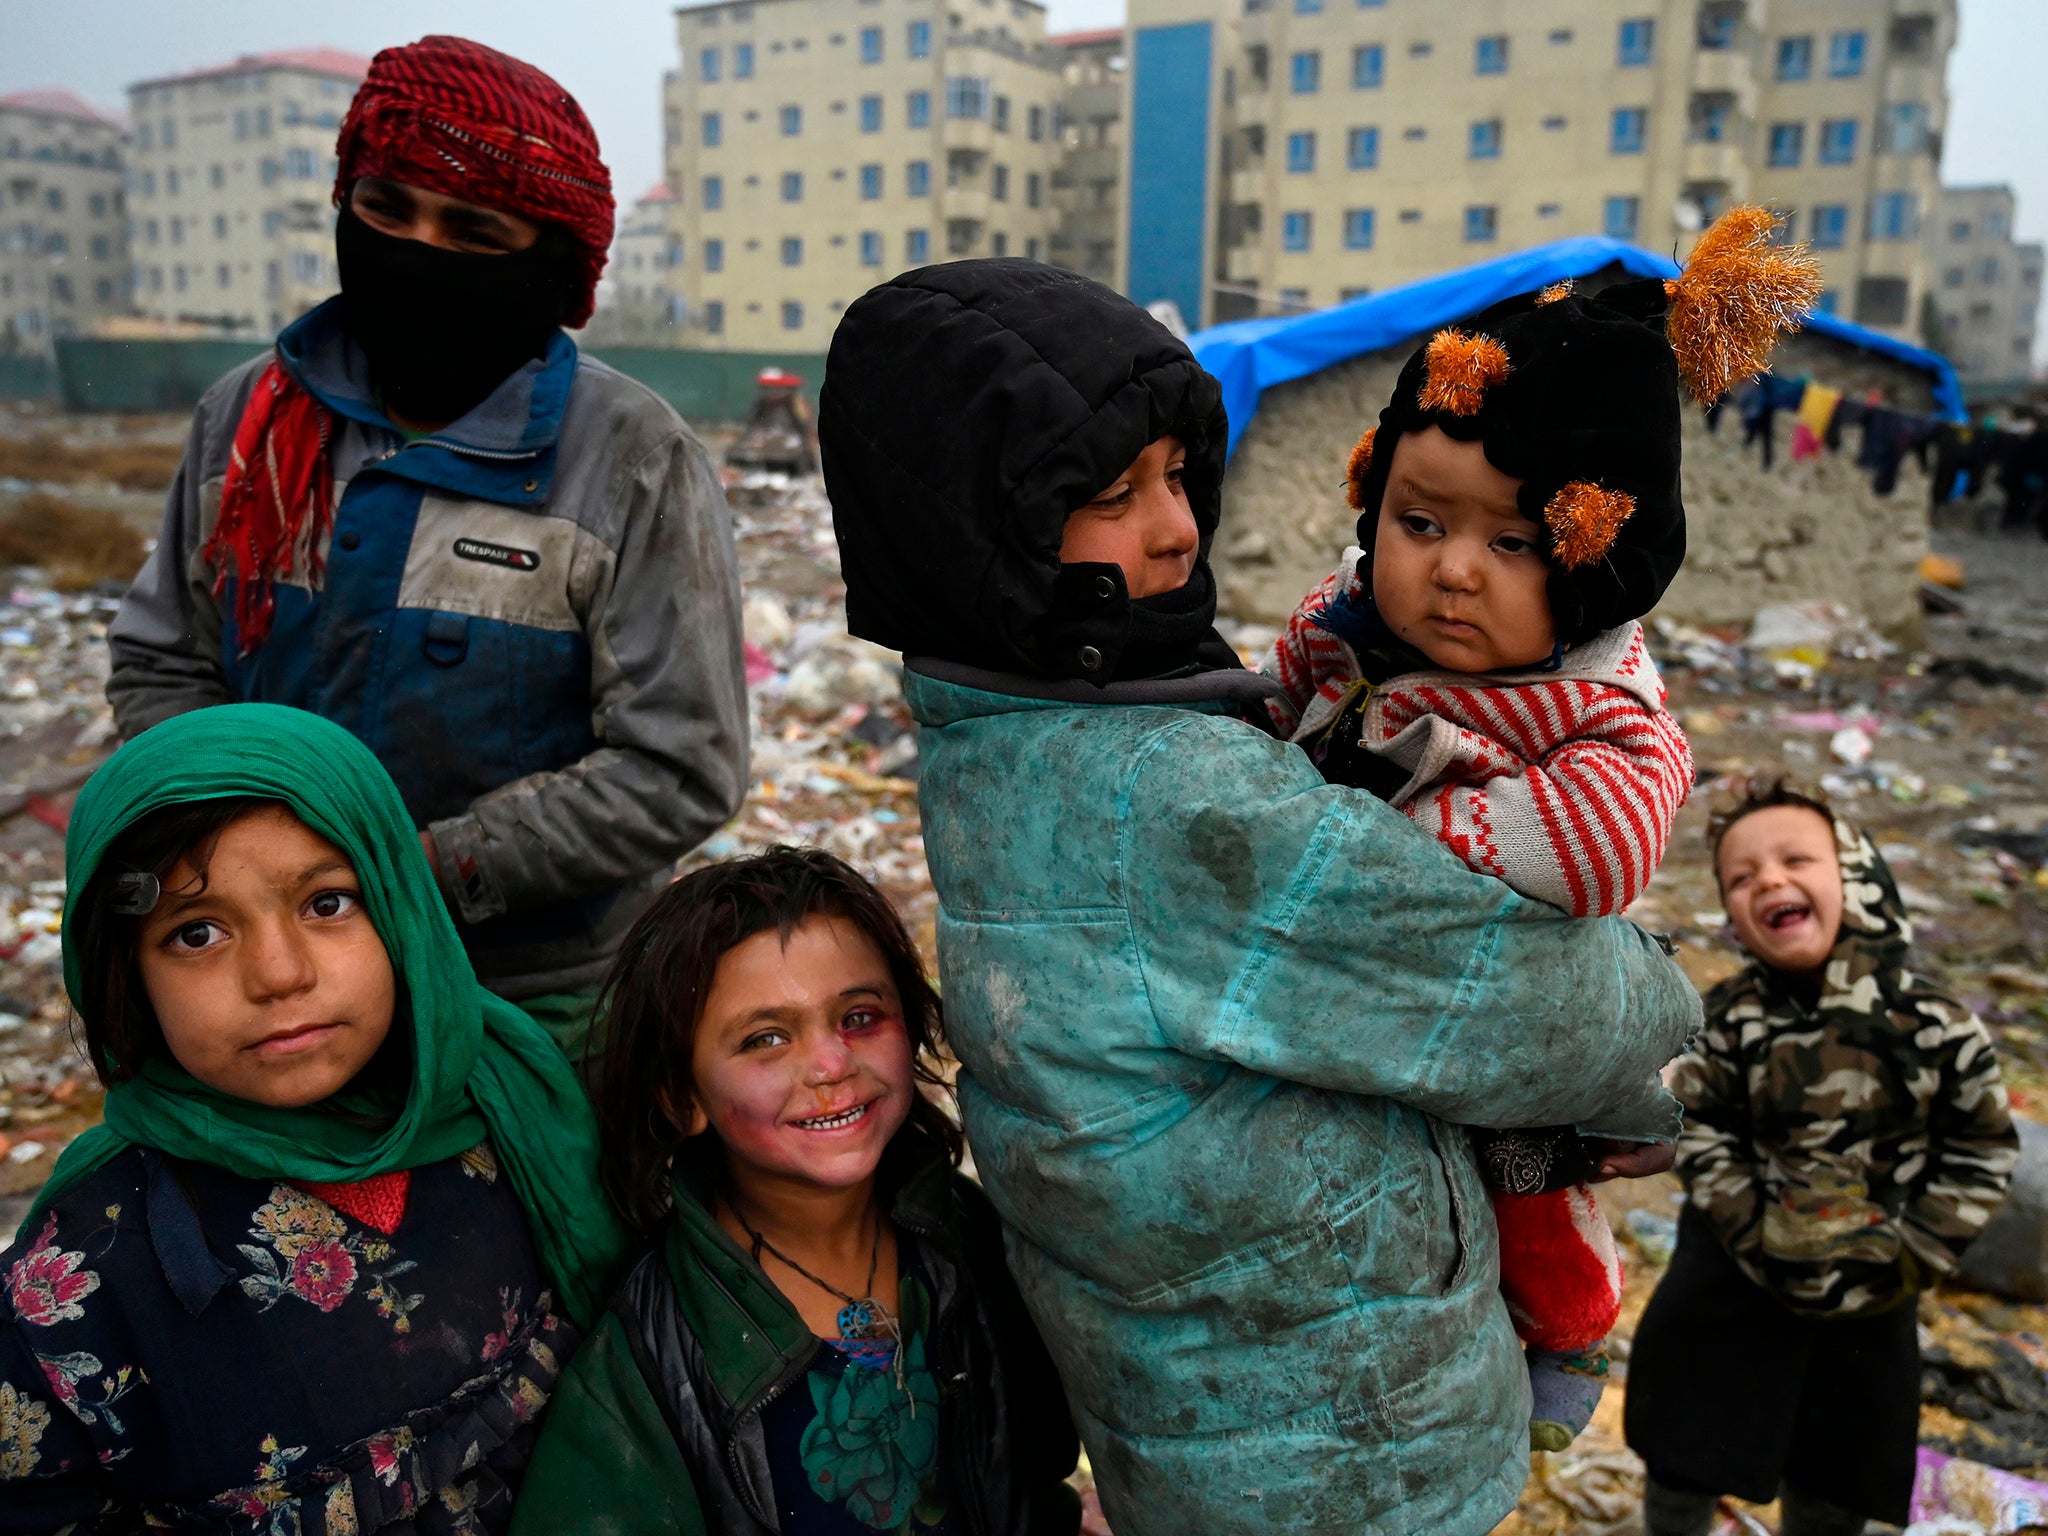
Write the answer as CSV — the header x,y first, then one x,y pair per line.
x,y
441,328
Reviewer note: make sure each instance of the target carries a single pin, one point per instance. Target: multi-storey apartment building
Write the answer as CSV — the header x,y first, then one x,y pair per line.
x,y
1987,288
636,303
230,220
1291,153
1087,184
817,147
63,259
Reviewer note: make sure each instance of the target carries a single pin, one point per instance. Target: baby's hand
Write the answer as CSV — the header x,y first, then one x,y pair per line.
x,y
1631,1159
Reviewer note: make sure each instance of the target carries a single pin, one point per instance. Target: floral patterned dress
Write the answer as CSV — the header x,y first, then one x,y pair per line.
x,y
182,1348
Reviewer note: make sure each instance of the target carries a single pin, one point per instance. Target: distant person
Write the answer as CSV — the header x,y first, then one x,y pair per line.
x,y
319,1268
1476,661
502,565
1847,1134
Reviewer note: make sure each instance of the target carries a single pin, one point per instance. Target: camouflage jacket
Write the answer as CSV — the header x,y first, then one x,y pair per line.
x,y
1844,1143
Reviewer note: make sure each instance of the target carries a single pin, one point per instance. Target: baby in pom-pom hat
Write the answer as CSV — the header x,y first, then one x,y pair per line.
x,y
1475,661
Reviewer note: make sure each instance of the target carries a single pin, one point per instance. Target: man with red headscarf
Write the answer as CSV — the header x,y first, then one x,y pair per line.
x,y
504,566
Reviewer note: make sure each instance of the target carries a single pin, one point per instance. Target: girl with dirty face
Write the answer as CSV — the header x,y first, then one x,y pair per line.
x,y
825,1320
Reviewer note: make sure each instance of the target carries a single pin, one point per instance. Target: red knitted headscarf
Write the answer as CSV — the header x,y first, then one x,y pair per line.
x,y
453,117
470,122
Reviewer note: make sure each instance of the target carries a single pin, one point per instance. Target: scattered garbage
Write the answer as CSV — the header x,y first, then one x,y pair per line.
x,y
1953,1497
2010,1256
778,434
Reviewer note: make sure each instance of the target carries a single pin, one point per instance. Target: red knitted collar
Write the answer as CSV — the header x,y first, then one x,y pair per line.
x,y
378,1201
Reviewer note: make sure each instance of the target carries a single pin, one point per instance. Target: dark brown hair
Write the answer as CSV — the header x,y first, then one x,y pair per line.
x,y
1758,792
654,999
112,1011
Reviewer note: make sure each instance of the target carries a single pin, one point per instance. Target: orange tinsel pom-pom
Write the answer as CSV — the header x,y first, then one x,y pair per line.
x,y
1355,472
1555,292
1737,292
1461,369
1584,520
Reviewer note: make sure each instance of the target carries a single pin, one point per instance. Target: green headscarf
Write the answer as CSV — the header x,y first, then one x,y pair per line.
x,y
480,1067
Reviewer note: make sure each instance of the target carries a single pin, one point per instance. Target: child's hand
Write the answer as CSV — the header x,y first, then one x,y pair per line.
x,y
1631,1159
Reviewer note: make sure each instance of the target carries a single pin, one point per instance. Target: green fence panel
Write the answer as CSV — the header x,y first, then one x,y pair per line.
x,y
710,386
27,378
98,374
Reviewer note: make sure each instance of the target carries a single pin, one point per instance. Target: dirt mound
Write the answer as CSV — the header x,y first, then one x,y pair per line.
x,y
131,465
1794,533
75,546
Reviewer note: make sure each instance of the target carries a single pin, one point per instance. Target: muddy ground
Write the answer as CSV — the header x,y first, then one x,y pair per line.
x,y
1940,748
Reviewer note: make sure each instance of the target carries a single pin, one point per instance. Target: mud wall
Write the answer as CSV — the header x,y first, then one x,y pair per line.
x,y
1792,533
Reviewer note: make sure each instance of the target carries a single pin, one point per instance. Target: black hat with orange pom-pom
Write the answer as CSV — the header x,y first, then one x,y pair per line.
x,y
1578,398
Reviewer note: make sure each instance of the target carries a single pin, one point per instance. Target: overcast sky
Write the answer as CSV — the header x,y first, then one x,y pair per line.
x,y
611,54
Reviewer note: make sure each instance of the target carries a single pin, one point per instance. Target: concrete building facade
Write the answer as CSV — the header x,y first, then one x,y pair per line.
x,y
818,147
637,305
1291,153
63,253
1087,184
231,221
1986,294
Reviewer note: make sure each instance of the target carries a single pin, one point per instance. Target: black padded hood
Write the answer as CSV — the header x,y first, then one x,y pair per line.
x,y
967,410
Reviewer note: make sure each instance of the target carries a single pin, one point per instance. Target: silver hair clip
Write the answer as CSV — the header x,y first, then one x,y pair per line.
x,y
136,895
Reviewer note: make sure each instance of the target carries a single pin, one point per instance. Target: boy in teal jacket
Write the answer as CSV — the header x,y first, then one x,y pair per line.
x,y
1213,1013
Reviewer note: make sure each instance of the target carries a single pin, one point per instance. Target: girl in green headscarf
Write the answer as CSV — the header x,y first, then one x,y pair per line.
x,y
320,1265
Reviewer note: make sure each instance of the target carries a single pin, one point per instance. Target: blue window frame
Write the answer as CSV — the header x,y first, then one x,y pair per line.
x,y
966,97
714,316
1894,216
1637,44
1629,130
1368,67
871,114
792,121
1305,72
871,248
920,37
714,255
917,246
1620,217
1795,58
792,315
1362,149
714,193
707,64
1296,230
712,131
1308,7
743,61
870,182
871,45
1490,56
1846,53
1358,224
1482,222
917,178
1905,128
792,250
917,109
1370,5
1829,301
1788,143
1830,227
1838,141
1483,140
1301,152
792,186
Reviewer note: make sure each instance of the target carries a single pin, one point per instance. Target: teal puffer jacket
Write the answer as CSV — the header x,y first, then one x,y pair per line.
x,y
1215,1018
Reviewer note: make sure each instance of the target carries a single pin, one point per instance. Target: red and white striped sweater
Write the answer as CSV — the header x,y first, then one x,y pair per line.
x,y
1564,784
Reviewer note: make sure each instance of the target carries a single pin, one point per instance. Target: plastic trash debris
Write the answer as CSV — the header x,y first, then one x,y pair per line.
x,y
1983,1498
1655,1234
2010,1256
1851,745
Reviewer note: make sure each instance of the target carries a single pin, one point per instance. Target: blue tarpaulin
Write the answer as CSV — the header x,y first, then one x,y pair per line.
x,y
1251,356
